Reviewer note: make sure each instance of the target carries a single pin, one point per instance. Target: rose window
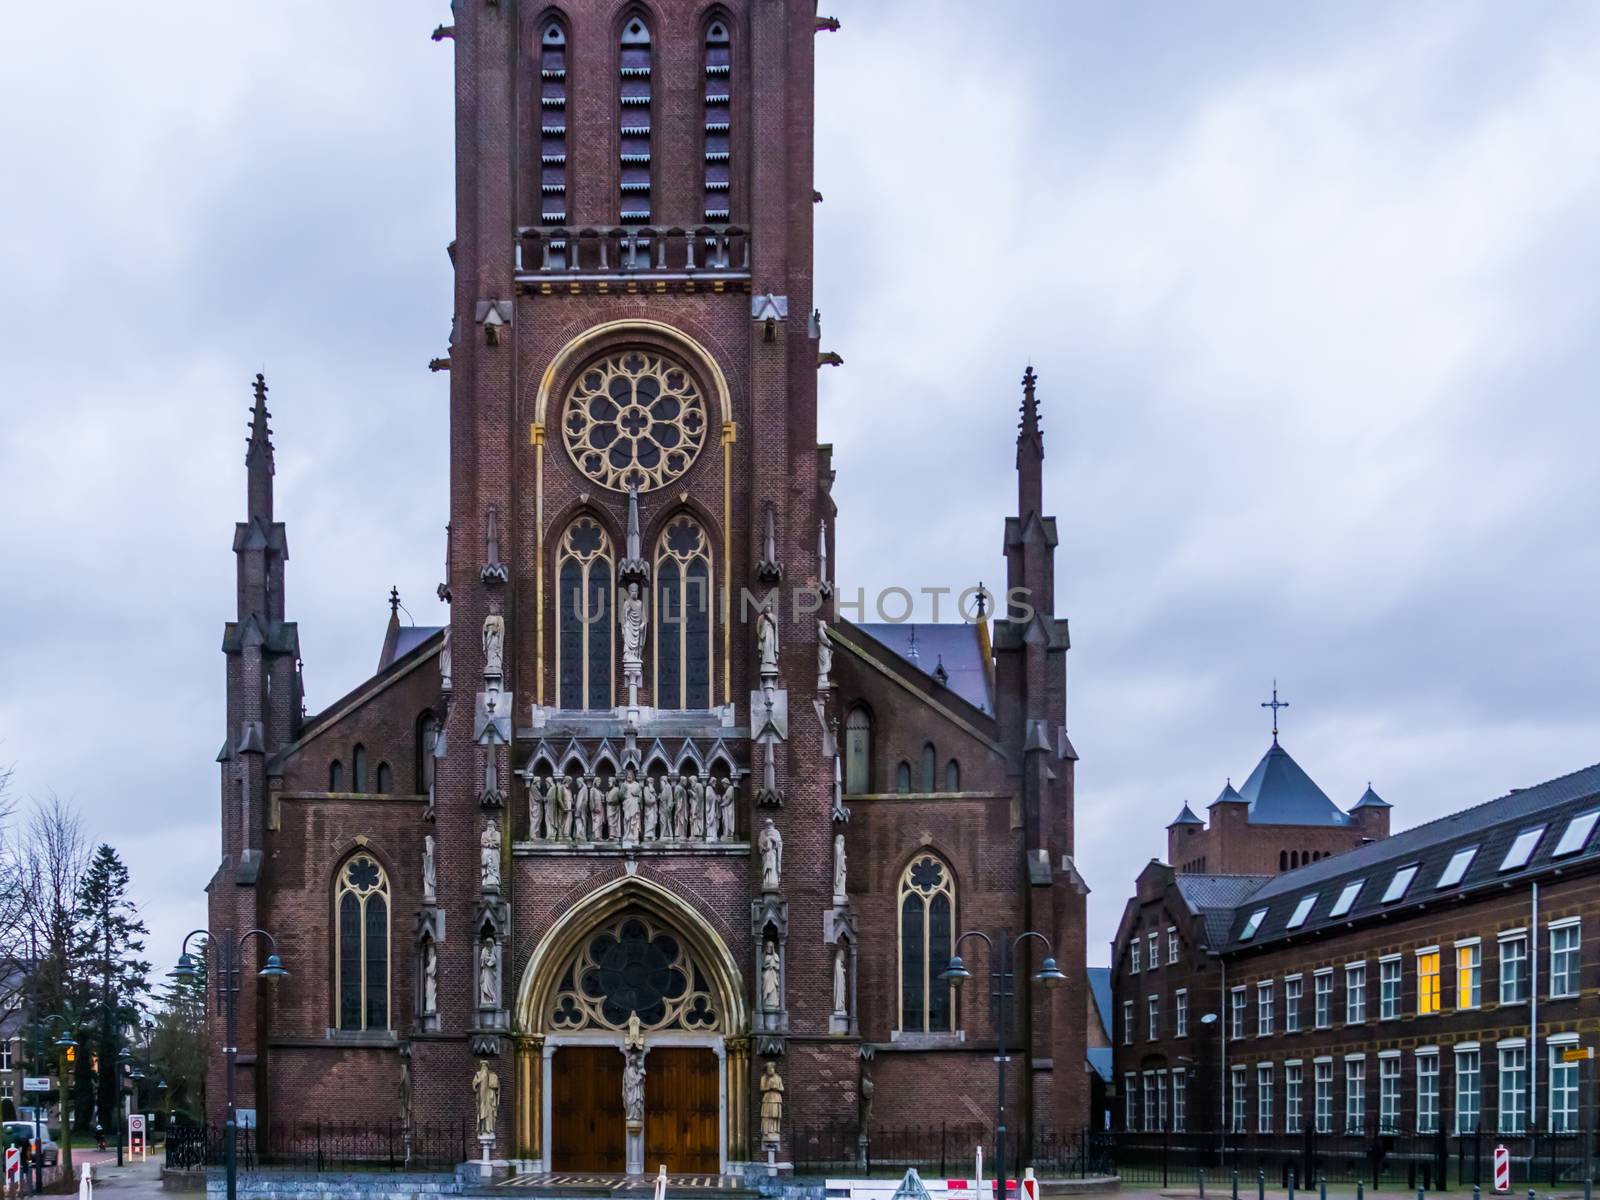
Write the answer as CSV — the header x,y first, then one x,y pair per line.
x,y
634,419
633,968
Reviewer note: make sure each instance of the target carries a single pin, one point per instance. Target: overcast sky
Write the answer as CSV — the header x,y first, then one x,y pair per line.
x,y
1310,289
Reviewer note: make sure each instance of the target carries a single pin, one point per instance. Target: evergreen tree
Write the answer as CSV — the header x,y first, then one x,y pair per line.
x,y
111,940
178,1042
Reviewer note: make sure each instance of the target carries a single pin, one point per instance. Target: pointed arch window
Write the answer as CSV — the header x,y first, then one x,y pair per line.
x,y
858,751
719,121
361,944
902,778
358,771
682,616
952,776
585,632
930,758
634,95
927,933
553,124
385,779
336,776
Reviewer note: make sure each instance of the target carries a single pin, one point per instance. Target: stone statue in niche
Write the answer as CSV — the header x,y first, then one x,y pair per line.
x,y
839,895
771,1000
596,800
671,789
728,798
767,640
552,808
632,614
614,809
494,646
580,810
633,1087
489,855
430,877
867,1089
770,845
841,1002
488,976
486,1088
697,807
562,817
652,809
430,978
824,655
684,797
771,1104
632,806
446,684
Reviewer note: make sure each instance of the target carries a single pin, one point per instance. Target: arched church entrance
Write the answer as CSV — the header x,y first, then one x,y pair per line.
x,y
634,1003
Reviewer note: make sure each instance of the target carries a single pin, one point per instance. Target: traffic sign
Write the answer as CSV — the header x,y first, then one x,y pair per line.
x,y
1502,1169
1578,1054
13,1166
37,1083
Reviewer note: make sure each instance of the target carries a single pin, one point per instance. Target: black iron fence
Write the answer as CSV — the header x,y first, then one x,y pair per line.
x,y
313,1147
1390,1160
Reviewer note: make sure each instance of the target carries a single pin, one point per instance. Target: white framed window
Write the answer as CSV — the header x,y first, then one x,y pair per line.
x,y
1565,938
1322,998
1172,945
1152,1014
1161,1100
1153,950
1427,1091
1135,954
1389,1092
1514,967
1130,1102
1469,1089
1180,1011
1428,987
1238,1001
1151,1118
1355,993
1513,1085
1563,1100
1469,973
1322,1098
1180,1103
5,1053
1291,1097
1292,988
1389,988
1355,1095
1237,1086
1263,1097
1265,1009
1127,1022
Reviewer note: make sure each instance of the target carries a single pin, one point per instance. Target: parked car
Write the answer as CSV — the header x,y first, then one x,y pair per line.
x,y
22,1132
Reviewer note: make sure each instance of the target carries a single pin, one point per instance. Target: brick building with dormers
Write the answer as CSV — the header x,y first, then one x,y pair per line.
x,y
1428,983
646,831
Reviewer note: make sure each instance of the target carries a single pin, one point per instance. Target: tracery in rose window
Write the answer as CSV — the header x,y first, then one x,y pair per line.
x,y
634,419
634,966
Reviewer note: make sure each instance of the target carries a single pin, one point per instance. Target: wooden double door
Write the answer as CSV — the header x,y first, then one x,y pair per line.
x,y
682,1118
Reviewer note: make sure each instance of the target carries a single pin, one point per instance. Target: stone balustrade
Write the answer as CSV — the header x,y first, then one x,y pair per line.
x,y
562,253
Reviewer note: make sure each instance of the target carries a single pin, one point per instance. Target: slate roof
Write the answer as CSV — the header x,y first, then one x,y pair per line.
x,y
1215,897
412,636
1371,799
1279,792
954,645
1100,1061
1100,993
1490,827
1186,817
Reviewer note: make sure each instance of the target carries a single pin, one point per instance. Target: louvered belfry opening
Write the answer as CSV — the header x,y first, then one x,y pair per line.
x,y
634,93
553,93
719,123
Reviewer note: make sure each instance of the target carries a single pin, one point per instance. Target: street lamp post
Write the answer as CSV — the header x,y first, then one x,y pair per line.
x,y
227,978
1000,971
63,1043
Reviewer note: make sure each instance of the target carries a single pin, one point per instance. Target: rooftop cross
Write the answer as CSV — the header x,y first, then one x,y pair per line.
x,y
1274,704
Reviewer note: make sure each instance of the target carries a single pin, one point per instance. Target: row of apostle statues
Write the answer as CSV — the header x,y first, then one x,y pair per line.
x,y
630,809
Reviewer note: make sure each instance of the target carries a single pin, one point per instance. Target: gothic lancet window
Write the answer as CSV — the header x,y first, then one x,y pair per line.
x,y
385,779
553,124
682,614
584,628
858,751
952,776
929,758
358,771
635,121
336,776
719,118
902,778
361,944
927,932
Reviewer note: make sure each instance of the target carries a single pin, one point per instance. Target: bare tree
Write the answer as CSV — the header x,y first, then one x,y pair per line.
x,y
13,906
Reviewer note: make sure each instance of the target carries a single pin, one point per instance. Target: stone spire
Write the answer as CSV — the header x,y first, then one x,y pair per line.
x,y
258,458
1030,450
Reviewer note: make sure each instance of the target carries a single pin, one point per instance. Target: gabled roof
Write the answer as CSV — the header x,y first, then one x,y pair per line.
x,y
406,640
956,647
1100,1061
1214,898
1489,829
1279,792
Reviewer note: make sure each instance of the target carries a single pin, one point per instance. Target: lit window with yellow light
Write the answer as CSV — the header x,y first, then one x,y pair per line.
x,y
1428,983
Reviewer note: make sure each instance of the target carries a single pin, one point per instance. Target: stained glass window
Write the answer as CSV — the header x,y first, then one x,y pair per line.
x,y
634,967
683,616
363,945
927,931
584,629
634,419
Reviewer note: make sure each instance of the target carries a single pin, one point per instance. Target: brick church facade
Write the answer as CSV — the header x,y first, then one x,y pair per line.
x,y
648,829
